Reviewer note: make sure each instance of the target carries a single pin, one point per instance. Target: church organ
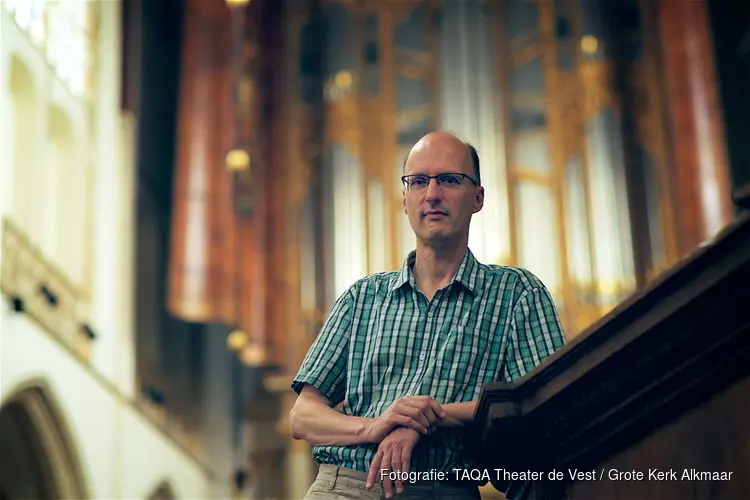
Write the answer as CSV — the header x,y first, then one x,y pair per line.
x,y
292,140
295,118
566,102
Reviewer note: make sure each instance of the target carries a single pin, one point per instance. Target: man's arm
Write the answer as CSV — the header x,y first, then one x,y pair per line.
x,y
313,420
320,384
458,414
320,381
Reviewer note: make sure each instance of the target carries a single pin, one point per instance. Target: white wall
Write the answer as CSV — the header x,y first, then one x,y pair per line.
x,y
87,233
123,455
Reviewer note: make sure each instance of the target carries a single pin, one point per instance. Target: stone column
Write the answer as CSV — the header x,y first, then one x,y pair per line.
x,y
218,419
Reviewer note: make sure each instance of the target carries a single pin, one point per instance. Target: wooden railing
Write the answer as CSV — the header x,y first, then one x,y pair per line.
x,y
660,384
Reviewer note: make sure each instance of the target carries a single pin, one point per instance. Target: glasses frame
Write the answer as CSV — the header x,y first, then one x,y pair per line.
x,y
405,178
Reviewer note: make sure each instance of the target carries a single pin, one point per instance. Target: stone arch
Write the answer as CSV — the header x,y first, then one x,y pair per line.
x,y
39,458
24,104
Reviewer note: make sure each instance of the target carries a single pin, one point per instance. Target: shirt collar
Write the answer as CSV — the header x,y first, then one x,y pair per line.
x,y
468,274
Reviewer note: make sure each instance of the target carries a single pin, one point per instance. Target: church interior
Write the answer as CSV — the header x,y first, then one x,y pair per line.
x,y
186,186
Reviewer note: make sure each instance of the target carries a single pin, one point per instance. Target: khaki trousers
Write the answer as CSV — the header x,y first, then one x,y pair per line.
x,y
338,483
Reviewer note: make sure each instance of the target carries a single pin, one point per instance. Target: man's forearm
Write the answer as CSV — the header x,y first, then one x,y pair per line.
x,y
458,414
319,424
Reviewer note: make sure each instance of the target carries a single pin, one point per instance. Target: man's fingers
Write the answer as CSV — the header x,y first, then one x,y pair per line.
x,y
396,466
437,408
374,469
431,415
405,458
424,402
415,411
422,419
387,484
411,423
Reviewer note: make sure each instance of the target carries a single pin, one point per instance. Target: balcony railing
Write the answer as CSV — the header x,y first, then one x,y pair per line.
x,y
35,287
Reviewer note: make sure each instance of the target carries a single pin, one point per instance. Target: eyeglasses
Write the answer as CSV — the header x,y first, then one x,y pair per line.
x,y
417,182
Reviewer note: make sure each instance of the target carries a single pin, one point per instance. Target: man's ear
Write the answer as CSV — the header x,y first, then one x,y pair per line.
x,y
479,199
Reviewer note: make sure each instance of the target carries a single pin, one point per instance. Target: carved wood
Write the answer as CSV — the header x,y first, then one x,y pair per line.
x,y
639,389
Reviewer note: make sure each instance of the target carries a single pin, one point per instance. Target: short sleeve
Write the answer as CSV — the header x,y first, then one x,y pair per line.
x,y
324,366
535,333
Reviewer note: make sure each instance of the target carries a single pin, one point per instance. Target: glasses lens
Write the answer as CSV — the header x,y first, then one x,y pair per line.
x,y
450,180
418,181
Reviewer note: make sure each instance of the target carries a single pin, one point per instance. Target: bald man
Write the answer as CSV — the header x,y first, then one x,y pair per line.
x,y
407,352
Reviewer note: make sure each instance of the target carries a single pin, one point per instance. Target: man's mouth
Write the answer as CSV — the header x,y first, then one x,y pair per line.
x,y
435,214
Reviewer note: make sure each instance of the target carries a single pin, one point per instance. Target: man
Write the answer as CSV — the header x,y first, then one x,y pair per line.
x,y
407,352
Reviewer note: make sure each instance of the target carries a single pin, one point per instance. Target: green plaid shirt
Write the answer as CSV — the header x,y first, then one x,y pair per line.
x,y
383,340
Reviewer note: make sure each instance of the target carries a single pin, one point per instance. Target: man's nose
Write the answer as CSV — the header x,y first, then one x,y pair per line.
x,y
433,190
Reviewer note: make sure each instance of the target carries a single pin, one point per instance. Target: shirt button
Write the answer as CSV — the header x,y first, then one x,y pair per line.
x,y
429,314
421,357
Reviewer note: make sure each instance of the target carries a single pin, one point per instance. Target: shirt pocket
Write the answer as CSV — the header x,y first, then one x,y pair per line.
x,y
463,359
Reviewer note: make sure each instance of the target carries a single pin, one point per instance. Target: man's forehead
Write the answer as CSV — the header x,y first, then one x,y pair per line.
x,y
439,148
439,141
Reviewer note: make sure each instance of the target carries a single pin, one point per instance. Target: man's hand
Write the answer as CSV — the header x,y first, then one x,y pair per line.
x,y
393,455
420,413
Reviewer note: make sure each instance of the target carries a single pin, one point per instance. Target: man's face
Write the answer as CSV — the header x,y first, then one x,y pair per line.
x,y
441,213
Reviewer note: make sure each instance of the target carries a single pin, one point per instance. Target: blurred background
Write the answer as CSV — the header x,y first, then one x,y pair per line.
x,y
187,185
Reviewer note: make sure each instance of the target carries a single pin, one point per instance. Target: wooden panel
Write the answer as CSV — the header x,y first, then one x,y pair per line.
x,y
714,428
228,234
275,189
652,129
196,266
700,172
261,226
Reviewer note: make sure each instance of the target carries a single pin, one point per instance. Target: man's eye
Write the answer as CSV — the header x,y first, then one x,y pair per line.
x,y
450,179
417,181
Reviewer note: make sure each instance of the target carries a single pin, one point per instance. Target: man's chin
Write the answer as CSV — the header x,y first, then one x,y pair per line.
x,y
437,236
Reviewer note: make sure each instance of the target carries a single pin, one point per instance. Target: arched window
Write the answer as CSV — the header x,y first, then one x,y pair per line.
x,y
23,113
60,29
67,42
30,16
64,193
